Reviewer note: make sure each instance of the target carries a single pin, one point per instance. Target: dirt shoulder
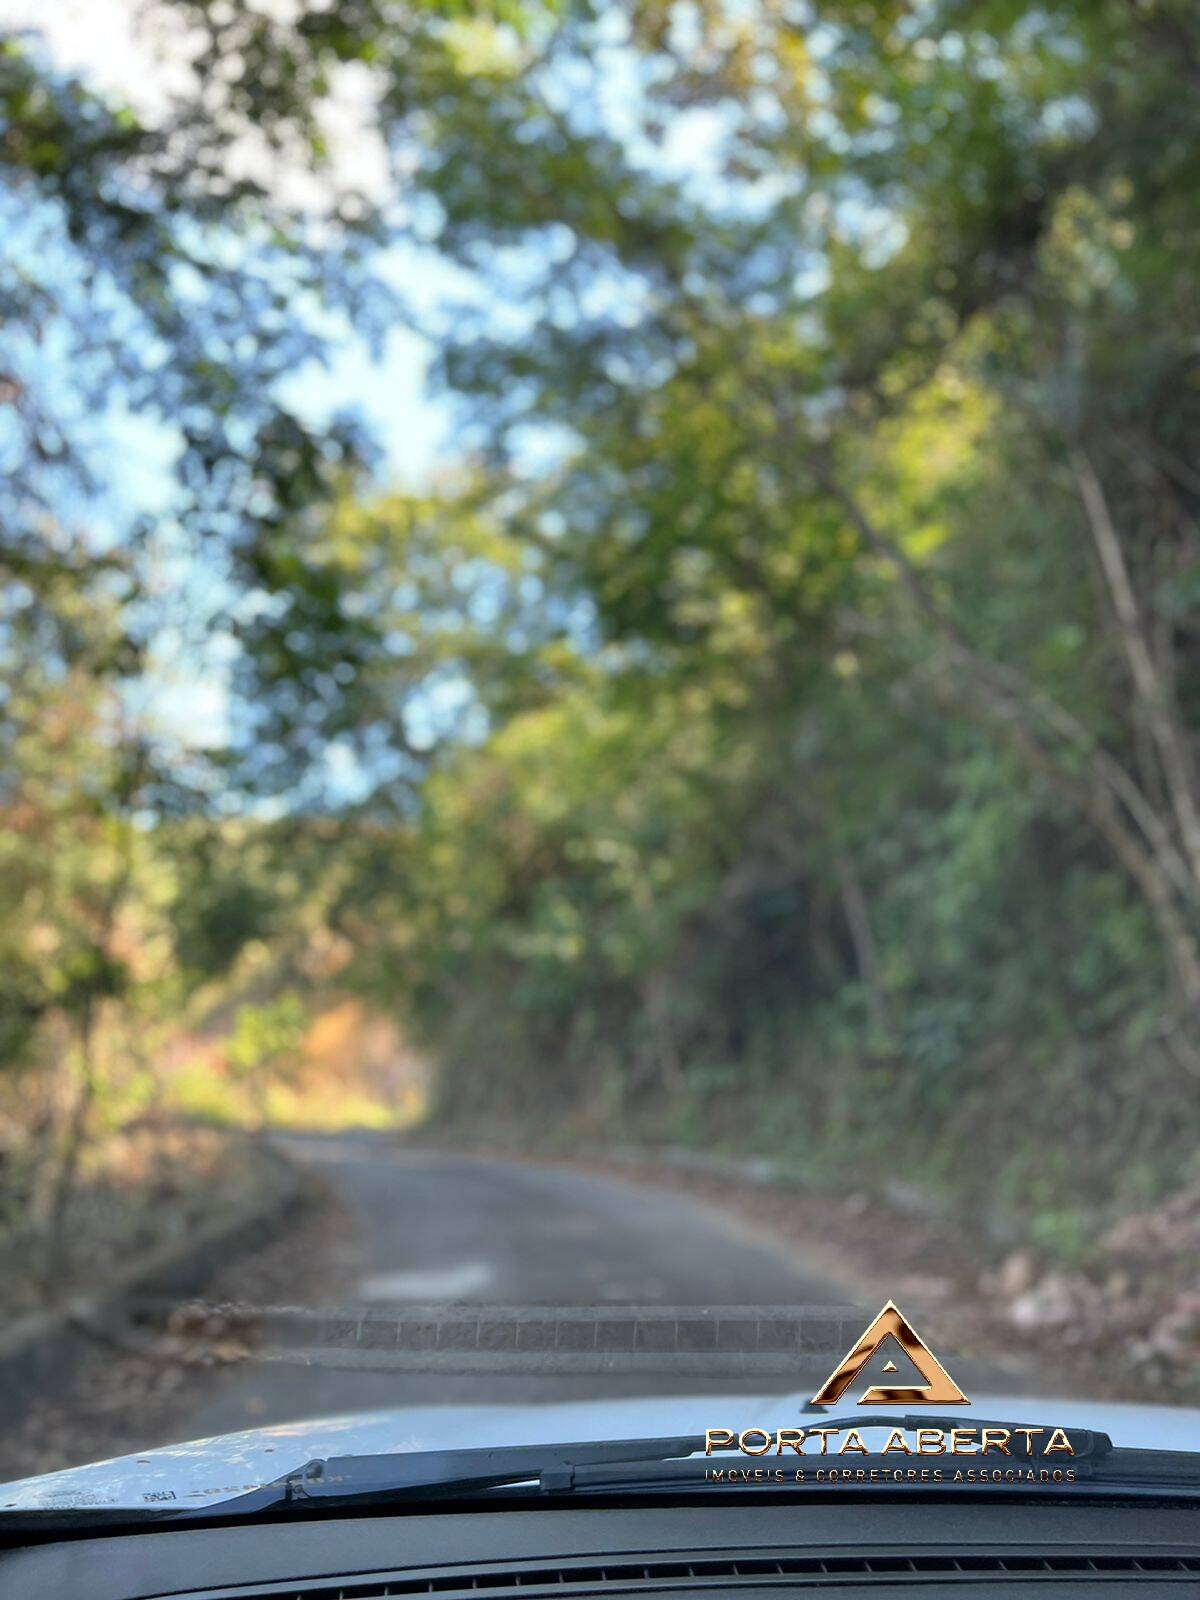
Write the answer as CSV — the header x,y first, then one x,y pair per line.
x,y
136,1389
147,1187
1126,1327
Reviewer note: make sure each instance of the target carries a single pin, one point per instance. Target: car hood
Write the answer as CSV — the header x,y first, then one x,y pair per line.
x,y
207,1471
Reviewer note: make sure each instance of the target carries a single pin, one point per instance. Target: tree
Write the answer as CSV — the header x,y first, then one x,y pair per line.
x,y
857,445
73,775
804,660
904,201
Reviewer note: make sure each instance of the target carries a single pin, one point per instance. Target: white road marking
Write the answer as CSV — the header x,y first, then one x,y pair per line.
x,y
429,1284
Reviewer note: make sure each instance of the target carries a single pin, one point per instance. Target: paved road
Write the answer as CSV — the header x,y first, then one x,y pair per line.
x,y
435,1229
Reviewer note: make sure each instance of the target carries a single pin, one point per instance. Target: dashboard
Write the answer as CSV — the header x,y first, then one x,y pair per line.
x,y
984,1547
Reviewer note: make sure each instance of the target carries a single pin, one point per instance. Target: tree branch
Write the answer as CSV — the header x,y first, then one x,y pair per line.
x,y
1013,699
1149,687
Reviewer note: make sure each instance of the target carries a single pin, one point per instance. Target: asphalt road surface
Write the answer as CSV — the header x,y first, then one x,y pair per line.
x,y
443,1229
454,1243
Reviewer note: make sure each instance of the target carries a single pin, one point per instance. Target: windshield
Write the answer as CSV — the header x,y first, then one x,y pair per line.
x,y
599,711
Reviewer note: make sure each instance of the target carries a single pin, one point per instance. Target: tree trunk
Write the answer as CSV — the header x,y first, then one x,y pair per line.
x,y
664,1042
1145,842
1154,694
862,937
66,1178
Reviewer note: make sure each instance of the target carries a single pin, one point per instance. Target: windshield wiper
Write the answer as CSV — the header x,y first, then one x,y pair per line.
x,y
651,1464
397,1478
403,1475
670,1463
1086,1443
394,1478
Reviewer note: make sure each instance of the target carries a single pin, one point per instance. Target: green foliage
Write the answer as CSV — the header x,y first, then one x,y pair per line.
x,y
785,724
823,771
66,840
265,1035
225,893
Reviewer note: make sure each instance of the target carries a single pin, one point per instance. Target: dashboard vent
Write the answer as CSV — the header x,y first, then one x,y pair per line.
x,y
692,1572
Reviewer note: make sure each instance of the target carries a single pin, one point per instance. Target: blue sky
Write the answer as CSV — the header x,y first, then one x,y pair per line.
x,y
103,42
132,456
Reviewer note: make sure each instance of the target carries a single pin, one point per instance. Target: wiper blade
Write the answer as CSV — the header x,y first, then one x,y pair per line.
x,y
1087,1443
653,1464
367,1479
397,1477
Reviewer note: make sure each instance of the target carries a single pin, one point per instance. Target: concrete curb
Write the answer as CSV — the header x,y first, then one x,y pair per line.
x,y
38,1352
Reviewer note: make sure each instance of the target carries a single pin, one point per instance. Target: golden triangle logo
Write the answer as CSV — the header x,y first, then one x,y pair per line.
x,y
939,1388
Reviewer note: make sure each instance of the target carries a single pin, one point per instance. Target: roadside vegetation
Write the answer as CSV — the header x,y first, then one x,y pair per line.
x,y
776,731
